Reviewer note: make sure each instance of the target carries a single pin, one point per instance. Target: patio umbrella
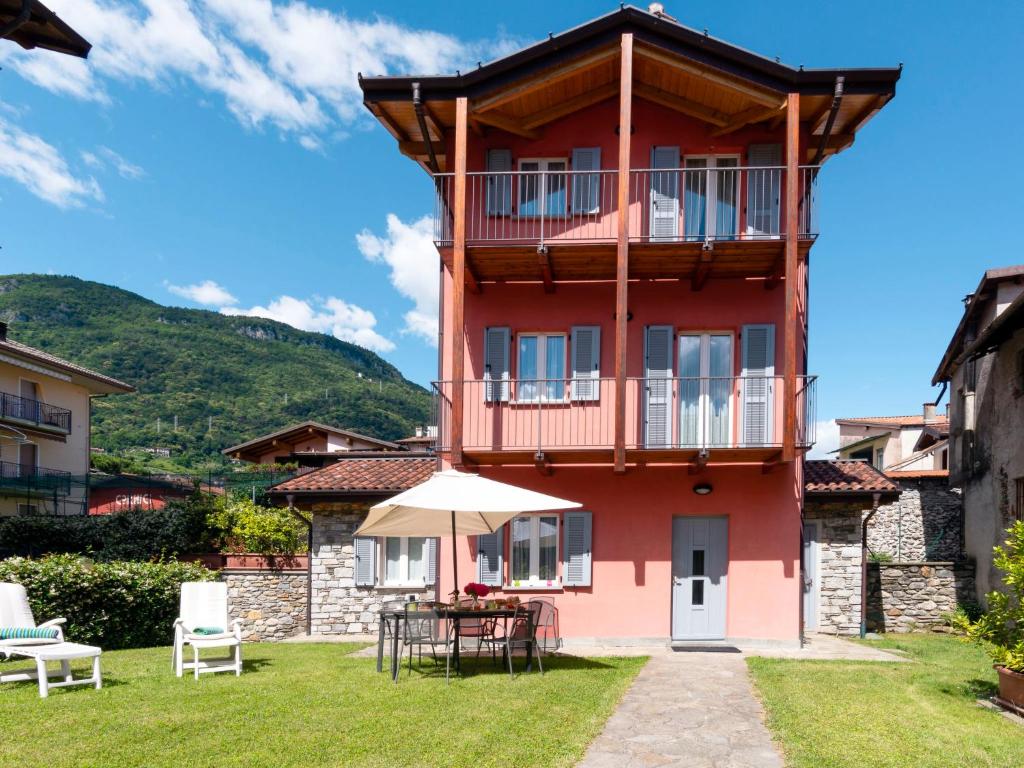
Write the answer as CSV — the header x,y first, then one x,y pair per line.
x,y
457,502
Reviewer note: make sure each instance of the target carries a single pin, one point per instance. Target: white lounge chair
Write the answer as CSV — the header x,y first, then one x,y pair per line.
x,y
15,612
204,606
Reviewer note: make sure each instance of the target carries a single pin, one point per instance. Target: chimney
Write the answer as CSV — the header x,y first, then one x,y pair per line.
x,y
929,413
419,431
658,9
3,331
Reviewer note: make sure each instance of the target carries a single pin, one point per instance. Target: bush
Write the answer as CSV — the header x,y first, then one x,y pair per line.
x,y
112,605
879,557
247,527
1001,629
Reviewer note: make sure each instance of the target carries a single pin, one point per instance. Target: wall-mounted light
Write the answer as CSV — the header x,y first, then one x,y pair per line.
x,y
702,489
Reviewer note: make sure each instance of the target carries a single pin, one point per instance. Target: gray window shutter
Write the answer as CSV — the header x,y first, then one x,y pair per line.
x,y
499,188
577,537
658,386
586,187
764,189
366,560
586,362
490,558
431,555
758,384
496,364
664,213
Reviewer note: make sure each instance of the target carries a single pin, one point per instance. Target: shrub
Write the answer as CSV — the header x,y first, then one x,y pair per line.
x,y
879,557
1001,629
247,527
112,605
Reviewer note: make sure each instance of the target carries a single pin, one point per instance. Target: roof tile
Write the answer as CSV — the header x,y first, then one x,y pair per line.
x,y
363,474
845,476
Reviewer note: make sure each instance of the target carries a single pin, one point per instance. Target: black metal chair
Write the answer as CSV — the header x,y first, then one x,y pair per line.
x,y
521,632
423,626
476,628
546,625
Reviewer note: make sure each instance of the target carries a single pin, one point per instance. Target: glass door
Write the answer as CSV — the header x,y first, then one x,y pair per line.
x,y
711,198
705,390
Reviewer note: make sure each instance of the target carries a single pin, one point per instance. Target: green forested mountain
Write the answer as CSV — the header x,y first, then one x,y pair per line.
x,y
248,375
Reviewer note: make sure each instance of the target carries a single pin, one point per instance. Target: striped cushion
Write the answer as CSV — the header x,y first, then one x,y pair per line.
x,y
27,633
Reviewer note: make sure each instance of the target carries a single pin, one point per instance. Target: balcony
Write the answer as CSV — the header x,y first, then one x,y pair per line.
x,y
28,480
34,413
675,219
668,420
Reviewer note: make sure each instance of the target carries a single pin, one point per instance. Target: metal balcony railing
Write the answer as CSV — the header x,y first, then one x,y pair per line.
x,y
28,479
34,412
665,205
661,413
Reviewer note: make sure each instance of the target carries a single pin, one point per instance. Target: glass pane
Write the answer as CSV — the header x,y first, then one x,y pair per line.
x,y
555,188
720,387
529,190
521,549
689,390
417,564
527,368
554,367
698,562
726,195
548,564
393,549
697,592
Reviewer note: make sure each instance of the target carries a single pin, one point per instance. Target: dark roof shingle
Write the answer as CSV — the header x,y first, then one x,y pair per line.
x,y
845,476
376,475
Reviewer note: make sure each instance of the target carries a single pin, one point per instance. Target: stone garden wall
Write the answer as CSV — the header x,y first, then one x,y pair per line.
x,y
271,603
839,572
907,597
924,523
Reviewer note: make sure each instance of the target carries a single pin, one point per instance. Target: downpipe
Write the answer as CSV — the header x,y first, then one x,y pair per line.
x,y
875,498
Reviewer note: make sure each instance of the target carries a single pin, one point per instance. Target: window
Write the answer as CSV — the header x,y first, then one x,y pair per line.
x,y
705,389
28,509
541,367
542,187
880,458
1018,510
534,551
405,560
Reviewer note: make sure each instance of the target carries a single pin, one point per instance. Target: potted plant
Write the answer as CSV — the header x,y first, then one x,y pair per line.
x,y
476,591
1001,629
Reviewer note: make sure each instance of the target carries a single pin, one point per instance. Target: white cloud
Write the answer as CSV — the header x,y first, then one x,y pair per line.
x,y
828,440
39,166
105,155
342,320
208,293
408,249
286,64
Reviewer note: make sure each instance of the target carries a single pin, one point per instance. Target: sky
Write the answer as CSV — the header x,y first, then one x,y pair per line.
x,y
216,154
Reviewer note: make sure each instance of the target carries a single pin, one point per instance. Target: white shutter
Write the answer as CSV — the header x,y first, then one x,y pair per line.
x,y
499,188
490,558
764,189
664,214
758,384
496,364
586,187
366,560
577,535
658,386
430,550
586,362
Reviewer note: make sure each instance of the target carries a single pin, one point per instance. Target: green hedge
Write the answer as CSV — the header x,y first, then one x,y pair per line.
x,y
112,605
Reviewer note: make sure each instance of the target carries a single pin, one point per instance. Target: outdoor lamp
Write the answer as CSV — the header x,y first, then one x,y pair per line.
x,y
702,489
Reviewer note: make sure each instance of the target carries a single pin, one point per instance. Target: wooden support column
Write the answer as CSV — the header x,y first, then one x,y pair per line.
x,y
459,280
789,332
622,251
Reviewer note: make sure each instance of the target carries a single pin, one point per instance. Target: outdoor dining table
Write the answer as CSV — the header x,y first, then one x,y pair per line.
x,y
391,619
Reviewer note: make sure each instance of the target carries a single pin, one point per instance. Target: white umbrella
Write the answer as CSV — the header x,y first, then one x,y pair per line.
x,y
456,502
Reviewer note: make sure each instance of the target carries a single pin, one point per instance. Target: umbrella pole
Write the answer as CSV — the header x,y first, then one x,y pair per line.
x,y
455,559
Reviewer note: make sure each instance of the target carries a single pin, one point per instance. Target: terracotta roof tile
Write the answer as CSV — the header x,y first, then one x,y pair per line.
x,y
364,474
845,476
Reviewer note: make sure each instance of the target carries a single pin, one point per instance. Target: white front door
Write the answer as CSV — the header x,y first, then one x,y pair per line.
x,y
700,562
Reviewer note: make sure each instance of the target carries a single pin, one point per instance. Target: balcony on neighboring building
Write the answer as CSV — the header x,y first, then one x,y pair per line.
x,y
560,224
672,420
30,480
35,414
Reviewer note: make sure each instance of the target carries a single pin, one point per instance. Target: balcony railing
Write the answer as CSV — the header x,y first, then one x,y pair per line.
x,y
29,479
34,412
661,413
665,206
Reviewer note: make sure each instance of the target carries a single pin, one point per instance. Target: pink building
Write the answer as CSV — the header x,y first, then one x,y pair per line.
x,y
624,314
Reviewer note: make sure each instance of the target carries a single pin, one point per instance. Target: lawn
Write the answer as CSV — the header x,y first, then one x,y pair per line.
x,y
311,705
833,714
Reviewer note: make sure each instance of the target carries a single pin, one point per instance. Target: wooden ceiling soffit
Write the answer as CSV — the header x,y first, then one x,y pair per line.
x,y
506,123
389,122
679,104
569,106
754,114
544,79
763,96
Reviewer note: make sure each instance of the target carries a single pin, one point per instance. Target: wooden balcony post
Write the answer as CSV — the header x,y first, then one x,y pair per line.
x,y
622,250
791,267
459,280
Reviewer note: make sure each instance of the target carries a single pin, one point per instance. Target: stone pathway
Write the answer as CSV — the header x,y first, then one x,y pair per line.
x,y
688,709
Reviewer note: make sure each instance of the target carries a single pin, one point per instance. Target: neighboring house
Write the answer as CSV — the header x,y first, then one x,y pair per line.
x,y
984,367
624,213
420,442
309,444
909,443
109,494
45,429
31,24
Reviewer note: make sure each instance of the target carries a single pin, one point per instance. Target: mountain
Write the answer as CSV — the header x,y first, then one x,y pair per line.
x,y
244,375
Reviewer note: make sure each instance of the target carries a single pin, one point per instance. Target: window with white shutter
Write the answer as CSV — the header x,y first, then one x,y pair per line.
x,y
586,362
664,213
758,385
586,187
496,364
658,386
365,548
577,536
490,558
499,186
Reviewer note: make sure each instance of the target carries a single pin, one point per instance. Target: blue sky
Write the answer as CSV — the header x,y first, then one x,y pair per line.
x,y
218,148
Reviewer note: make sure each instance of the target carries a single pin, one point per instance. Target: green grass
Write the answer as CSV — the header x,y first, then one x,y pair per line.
x,y
832,714
311,705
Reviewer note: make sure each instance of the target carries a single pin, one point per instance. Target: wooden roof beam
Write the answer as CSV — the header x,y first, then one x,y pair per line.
x,y
569,106
703,270
762,96
546,273
544,80
506,123
754,114
679,104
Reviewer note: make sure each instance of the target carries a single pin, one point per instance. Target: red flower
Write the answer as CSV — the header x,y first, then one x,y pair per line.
x,y
476,590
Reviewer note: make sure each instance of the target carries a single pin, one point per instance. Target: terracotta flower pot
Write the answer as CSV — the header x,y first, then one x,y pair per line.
x,y
1011,686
